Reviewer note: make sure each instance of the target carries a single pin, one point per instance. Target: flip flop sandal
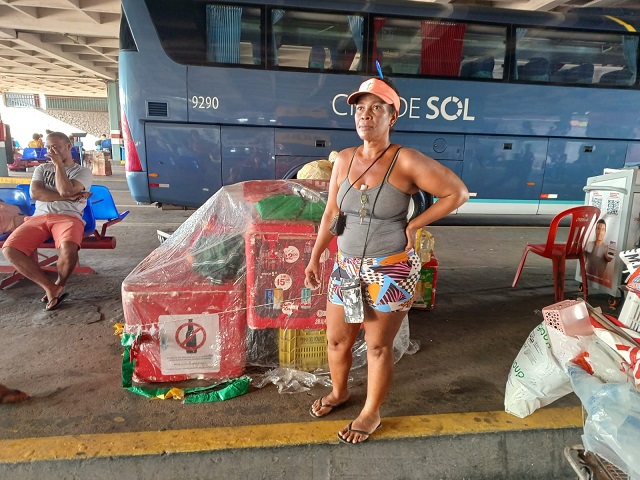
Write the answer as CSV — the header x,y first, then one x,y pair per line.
x,y
58,301
361,432
44,299
12,396
322,405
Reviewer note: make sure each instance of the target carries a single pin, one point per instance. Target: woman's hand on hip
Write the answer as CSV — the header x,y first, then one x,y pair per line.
x,y
411,237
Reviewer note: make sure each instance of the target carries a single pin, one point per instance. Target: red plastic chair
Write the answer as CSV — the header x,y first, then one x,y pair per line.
x,y
582,220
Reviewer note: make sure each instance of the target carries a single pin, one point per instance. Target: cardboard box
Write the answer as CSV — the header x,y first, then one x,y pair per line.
x,y
100,164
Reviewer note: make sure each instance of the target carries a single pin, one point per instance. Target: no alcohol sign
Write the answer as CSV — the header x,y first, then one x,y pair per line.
x,y
188,344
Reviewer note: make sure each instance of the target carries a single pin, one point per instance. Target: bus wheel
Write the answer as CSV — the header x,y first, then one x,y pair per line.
x,y
612,301
419,202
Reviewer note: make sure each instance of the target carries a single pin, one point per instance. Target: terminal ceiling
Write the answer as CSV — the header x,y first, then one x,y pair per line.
x,y
70,47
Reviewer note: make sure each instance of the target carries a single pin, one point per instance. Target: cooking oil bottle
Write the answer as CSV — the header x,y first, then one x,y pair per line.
x,y
424,245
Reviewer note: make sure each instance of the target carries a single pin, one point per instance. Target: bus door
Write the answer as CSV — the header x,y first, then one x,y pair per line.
x,y
296,147
569,164
503,174
247,154
183,162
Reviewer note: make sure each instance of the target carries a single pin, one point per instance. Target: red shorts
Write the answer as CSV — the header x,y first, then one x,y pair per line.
x,y
35,230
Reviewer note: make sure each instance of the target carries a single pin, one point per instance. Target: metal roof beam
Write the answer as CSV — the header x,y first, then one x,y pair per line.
x,y
542,5
602,3
82,42
31,12
33,41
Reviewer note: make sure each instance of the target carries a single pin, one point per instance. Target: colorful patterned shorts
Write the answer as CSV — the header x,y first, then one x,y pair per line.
x,y
388,282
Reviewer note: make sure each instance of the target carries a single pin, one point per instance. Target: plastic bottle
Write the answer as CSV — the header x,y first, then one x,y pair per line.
x,y
306,193
424,245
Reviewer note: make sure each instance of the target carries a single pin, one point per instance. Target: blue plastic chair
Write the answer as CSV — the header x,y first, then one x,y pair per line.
x,y
104,208
34,154
15,196
30,153
89,219
26,188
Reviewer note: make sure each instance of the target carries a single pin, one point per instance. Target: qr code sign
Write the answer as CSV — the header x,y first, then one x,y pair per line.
x,y
597,202
613,207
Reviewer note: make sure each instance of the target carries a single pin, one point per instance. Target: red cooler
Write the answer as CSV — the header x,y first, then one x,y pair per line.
x,y
191,330
277,254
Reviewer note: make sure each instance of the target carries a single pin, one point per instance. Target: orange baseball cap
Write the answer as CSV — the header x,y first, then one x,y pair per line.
x,y
378,88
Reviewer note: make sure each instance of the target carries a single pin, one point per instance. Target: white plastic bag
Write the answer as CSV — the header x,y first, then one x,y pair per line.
x,y
536,378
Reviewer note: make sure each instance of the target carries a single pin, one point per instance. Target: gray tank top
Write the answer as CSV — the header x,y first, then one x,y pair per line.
x,y
388,220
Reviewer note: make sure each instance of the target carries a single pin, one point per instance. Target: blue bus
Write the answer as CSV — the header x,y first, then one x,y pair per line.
x,y
523,106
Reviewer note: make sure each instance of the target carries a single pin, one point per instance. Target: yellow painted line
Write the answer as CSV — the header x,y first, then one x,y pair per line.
x,y
624,24
15,180
70,447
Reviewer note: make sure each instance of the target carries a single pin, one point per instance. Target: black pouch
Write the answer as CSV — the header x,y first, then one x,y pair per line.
x,y
337,224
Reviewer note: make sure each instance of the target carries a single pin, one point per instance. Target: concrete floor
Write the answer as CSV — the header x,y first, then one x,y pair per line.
x,y
69,360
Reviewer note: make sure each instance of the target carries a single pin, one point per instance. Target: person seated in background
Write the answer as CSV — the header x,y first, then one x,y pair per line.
x,y
36,141
10,217
100,140
61,189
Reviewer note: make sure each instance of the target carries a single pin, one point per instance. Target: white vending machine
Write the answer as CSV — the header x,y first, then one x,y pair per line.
x,y
617,194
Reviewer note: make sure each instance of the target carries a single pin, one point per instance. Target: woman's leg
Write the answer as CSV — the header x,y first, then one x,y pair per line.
x,y
380,331
340,339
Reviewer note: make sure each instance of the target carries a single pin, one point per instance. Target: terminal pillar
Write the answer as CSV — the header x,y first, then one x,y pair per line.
x,y
6,150
113,104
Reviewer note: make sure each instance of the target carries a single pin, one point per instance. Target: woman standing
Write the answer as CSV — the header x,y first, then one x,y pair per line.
x,y
372,185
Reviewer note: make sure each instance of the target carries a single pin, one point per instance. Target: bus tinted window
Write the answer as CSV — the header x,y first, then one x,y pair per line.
x,y
316,40
126,39
199,33
574,57
233,35
438,48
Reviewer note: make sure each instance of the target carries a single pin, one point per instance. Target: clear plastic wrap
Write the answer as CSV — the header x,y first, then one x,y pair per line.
x,y
612,428
226,291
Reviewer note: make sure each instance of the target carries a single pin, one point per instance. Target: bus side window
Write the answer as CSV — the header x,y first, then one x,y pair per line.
x,y
317,57
478,67
441,49
437,48
233,34
535,70
576,57
580,74
301,40
622,76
